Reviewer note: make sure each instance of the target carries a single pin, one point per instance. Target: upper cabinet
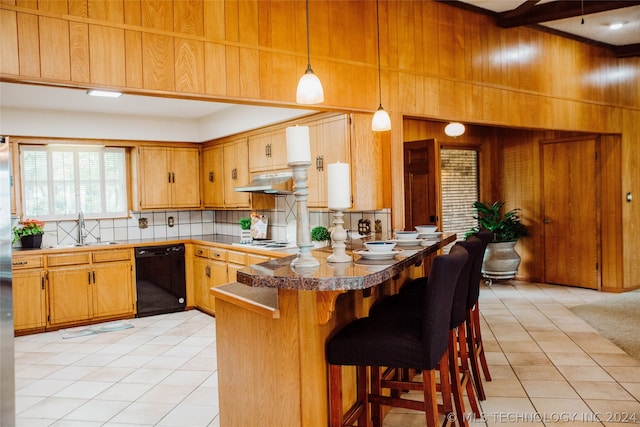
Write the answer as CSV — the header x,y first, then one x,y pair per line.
x,y
268,151
236,173
213,177
166,177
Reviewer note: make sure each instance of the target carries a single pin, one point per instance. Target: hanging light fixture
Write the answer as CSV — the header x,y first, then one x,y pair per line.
x,y
381,120
309,87
454,129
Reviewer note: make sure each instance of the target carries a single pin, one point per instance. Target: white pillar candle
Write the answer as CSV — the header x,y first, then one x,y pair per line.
x,y
298,147
339,186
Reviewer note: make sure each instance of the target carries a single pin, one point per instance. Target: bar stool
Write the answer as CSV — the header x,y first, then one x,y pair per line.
x,y
405,303
474,334
399,342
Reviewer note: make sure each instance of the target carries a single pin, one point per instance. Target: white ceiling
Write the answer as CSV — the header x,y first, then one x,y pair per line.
x,y
36,110
595,27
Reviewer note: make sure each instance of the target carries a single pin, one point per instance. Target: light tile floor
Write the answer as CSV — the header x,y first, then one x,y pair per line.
x,y
549,368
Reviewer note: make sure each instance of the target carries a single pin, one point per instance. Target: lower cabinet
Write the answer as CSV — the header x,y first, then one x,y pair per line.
x,y
210,269
29,300
73,288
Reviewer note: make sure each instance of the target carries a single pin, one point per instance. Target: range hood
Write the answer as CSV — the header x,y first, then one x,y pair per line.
x,y
269,183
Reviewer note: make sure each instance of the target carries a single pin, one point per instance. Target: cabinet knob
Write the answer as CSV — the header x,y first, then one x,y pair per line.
x,y
319,163
211,176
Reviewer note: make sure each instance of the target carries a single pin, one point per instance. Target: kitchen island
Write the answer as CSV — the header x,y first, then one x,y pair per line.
x,y
272,326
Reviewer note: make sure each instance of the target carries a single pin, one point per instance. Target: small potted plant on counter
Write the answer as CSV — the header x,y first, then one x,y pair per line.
x,y
30,233
245,230
320,236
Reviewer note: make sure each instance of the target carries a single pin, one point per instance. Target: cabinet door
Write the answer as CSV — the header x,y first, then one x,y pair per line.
x,y
370,186
155,179
232,270
113,289
69,292
219,276
236,173
259,152
279,150
185,178
201,277
329,144
213,187
29,310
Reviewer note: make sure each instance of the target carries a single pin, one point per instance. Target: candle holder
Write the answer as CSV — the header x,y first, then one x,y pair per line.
x,y
303,238
338,236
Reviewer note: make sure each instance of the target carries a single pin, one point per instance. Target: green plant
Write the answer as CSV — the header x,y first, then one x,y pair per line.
x,y
29,227
320,234
505,227
245,223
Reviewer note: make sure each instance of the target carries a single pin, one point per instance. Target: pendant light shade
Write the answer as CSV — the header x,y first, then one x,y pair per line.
x,y
381,121
309,87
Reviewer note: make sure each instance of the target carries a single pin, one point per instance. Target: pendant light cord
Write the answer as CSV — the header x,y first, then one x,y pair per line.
x,y
378,28
308,42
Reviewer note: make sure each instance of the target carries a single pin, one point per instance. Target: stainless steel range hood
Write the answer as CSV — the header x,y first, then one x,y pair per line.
x,y
280,183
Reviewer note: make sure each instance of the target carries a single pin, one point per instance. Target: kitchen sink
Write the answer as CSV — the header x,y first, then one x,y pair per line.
x,y
76,245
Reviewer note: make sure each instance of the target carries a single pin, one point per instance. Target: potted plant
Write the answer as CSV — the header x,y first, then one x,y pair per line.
x,y
501,261
320,236
245,230
30,233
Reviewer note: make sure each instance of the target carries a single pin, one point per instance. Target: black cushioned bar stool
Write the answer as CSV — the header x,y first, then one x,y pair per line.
x,y
396,342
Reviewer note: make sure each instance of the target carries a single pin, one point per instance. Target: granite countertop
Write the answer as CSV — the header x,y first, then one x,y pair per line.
x,y
358,274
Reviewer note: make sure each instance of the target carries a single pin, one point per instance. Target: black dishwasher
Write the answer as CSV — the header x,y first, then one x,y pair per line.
x,y
160,279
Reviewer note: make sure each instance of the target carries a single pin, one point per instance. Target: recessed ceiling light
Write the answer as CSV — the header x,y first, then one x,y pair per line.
x,y
104,93
616,26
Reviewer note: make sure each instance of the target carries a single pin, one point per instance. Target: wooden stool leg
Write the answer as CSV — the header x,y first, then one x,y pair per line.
x,y
467,381
335,395
430,402
480,346
363,379
376,390
456,386
473,356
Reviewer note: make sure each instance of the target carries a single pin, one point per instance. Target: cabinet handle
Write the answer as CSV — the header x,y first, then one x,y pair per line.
x,y
169,177
217,255
207,271
42,283
89,278
267,150
94,276
173,178
20,263
234,173
199,252
320,163
211,176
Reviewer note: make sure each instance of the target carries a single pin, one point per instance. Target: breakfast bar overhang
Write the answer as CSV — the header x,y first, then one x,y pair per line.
x,y
272,326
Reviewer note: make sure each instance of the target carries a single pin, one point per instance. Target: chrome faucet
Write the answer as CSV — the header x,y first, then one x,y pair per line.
x,y
82,232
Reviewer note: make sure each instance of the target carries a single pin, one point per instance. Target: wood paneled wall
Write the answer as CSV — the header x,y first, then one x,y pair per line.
x,y
437,61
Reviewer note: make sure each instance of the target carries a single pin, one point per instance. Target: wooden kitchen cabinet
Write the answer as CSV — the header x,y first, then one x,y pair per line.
x,y
213,177
236,173
268,151
86,286
29,296
167,177
329,144
210,269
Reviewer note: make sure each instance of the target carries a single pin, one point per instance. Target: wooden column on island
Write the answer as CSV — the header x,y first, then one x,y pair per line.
x,y
271,331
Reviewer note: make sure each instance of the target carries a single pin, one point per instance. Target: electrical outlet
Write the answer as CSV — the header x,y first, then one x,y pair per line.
x,y
143,222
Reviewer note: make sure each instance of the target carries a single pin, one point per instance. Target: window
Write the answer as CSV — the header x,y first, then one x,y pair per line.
x,y
58,181
459,189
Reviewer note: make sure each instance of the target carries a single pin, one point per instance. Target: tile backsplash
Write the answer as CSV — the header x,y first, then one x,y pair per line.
x,y
186,224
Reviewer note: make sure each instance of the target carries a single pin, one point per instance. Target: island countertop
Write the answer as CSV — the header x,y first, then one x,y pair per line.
x,y
328,276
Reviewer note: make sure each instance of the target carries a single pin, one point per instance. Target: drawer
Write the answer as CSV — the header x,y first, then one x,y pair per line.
x,y
256,259
27,261
55,260
236,257
218,254
201,251
111,255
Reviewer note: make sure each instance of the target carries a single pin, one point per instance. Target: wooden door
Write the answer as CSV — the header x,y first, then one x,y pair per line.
x,y
113,289
213,187
185,178
28,300
69,292
155,181
421,183
201,278
571,229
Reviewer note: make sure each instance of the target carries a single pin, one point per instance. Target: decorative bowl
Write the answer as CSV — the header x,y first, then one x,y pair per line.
x,y
406,235
379,246
426,229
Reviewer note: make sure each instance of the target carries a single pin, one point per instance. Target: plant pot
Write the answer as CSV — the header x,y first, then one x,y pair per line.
x,y
245,236
320,244
501,261
32,241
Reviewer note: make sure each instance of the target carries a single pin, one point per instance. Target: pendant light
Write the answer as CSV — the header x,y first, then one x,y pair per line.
x,y
381,120
309,87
